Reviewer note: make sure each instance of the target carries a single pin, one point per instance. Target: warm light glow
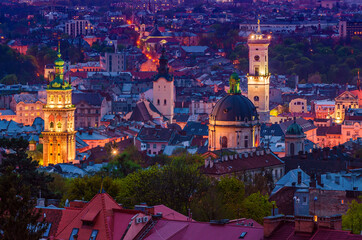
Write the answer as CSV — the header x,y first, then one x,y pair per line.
x,y
315,218
129,22
252,36
114,152
269,37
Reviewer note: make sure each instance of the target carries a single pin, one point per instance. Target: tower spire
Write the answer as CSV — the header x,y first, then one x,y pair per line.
x,y
59,55
163,67
258,31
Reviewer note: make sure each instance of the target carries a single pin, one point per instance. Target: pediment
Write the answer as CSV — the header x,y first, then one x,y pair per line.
x,y
346,96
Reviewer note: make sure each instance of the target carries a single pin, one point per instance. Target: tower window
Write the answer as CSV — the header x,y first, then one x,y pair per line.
x,y
246,141
256,58
158,101
256,99
292,149
256,71
224,142
164,102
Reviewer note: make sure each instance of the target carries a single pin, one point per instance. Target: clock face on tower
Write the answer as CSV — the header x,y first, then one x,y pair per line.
x,y
256,58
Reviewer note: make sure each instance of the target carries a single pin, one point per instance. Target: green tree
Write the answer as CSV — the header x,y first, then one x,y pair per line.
x,y
173,185
17,158
257,206
352,220
85,188
9,79
18,217
222,199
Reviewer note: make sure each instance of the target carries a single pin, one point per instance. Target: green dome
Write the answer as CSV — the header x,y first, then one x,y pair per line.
x,y
59,84
59,61
294,129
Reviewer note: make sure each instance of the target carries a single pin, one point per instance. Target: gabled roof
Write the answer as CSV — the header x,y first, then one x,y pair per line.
x,y
235,163
144,111
95,215
196,128
346,95
147,134
292,177
272,130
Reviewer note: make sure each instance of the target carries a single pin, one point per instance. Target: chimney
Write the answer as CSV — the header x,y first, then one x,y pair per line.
x,y
271,223
331,222
304,224
40,202
77,204
299,177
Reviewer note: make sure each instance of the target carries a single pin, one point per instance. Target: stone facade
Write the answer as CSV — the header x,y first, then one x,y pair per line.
x,y
344,102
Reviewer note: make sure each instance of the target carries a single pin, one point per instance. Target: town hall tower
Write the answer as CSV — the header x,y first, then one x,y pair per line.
x,y
259,76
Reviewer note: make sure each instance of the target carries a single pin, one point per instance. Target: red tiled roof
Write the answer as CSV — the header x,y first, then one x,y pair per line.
x,y
52,216
241,164
329,234
169,213
182,230
98,211
358,94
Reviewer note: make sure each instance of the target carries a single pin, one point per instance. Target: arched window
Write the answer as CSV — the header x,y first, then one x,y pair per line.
x,y
51,125
59,125
292,149
164,102
256,99
52,98
158,101
59,98
246,141
224,142
256,71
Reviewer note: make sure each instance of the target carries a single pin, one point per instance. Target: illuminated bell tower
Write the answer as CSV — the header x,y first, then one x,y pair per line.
x,y
259,76
59,134
164,89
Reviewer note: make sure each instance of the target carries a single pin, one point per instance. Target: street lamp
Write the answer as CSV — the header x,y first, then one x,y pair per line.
x,y
114,152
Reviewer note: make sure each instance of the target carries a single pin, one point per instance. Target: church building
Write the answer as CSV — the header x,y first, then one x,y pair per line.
x,y
234,122
59,134
259,76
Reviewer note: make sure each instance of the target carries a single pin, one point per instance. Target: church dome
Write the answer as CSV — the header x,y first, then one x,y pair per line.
x,y
294,129
234,107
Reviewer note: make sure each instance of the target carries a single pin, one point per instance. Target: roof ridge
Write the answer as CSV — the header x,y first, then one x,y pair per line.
x,y
105,217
